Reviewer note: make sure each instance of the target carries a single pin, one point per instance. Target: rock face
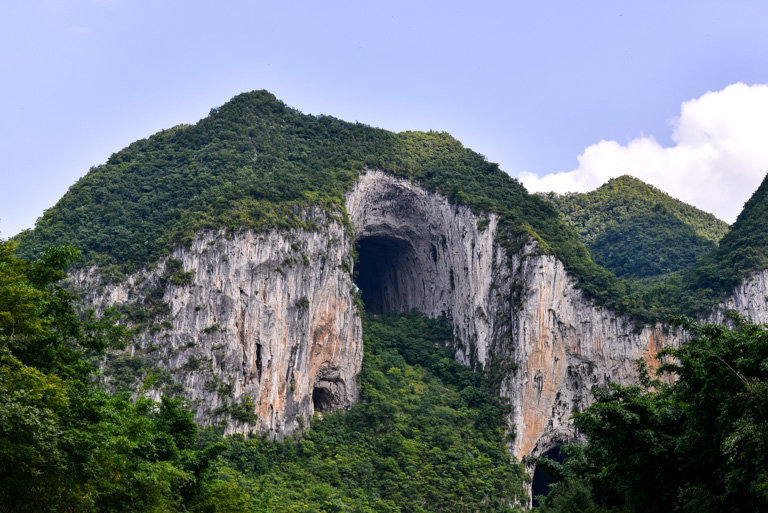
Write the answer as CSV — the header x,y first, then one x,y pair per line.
x,y
419,252
263,333
521,318
266,330
564,345
749,299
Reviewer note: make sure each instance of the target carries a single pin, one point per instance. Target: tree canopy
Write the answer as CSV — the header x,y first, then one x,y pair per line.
x,y
636,230
695,444
65,444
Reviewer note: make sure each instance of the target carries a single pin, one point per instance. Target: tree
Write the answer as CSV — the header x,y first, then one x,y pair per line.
x,y
66,445
697,444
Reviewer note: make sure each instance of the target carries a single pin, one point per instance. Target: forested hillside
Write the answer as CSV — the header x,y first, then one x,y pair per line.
x,y
742,252
428,433
636,230
254,163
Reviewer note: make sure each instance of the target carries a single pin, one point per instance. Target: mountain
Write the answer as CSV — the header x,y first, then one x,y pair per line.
x,y
253,163
638,231
242,251
742,255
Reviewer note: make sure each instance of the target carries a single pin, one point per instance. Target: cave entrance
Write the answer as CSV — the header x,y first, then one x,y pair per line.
x,y
381,269
542,480
322,399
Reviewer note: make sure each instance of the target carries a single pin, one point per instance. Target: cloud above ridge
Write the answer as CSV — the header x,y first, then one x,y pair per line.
x,y
718,159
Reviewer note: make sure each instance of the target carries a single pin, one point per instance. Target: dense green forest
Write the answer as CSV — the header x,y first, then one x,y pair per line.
x,y
636,230
742,251
695,445
427,435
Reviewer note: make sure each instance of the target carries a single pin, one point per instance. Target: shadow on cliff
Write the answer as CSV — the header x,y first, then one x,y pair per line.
x,y
380,270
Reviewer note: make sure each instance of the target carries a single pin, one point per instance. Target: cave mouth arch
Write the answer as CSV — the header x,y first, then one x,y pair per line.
x,y
382,270
541,480
322,399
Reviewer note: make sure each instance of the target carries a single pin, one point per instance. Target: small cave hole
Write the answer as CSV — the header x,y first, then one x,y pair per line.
x,y
322,399
380,265
542,480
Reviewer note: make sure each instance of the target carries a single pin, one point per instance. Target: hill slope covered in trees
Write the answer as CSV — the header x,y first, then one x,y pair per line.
x,y
254,163
638,231
696,291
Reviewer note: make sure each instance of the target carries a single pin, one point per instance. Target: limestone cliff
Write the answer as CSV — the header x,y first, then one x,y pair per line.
x,y
563,345
521,318
750,299
441,256
263,332
262,329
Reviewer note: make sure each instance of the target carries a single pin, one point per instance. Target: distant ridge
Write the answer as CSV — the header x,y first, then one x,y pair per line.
x,y
638,231
742,251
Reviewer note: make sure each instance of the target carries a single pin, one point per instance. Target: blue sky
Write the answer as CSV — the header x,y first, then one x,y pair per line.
x,y
534,86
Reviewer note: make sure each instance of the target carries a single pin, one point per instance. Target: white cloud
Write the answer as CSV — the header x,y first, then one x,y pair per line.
x,y
719,156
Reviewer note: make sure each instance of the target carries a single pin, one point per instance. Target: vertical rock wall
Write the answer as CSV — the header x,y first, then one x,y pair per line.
x,y
749,299
444,255
563,345
266,322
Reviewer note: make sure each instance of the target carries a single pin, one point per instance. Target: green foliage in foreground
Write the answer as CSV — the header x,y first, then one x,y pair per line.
x,y
428,435
636,230
697,445
65,445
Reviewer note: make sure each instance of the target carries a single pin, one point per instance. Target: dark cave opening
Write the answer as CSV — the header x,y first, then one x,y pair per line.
x,y
379,262
322,399
542,480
